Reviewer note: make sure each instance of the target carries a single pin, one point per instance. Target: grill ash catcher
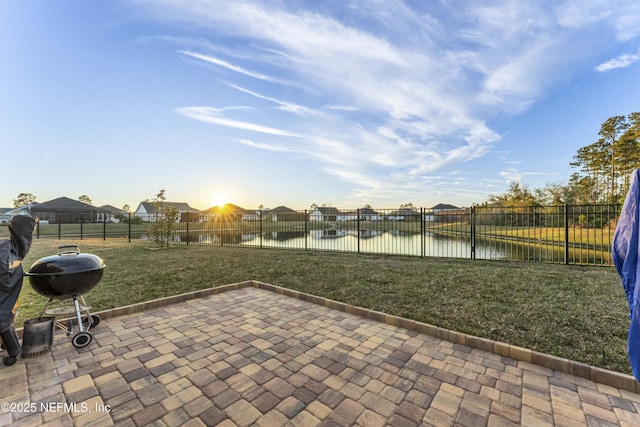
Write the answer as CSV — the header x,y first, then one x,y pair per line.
x,y
67,275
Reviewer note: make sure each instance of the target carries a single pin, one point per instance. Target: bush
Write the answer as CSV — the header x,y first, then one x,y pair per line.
x,y
163,224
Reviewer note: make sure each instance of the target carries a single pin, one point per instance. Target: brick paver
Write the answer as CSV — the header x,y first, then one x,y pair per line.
x,y
250,356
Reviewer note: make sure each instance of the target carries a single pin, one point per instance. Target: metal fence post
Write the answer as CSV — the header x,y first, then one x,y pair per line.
x,y
566,234
260,218
423,227
472,222
104,228
358,224
81,222
221,223
129,231
187,233
306,230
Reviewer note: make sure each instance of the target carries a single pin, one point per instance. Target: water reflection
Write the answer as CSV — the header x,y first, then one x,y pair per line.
x,y
283,236
396,242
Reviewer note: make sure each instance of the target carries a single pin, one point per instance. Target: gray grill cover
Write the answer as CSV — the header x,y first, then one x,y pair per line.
x,y
12,252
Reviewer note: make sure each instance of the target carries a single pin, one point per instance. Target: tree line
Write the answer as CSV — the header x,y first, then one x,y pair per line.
x,y
603,176
24,199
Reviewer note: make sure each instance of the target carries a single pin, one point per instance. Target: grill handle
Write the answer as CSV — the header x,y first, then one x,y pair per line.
x,y
68,249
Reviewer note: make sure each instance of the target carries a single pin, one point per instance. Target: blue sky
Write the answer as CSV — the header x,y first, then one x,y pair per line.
x,y
299,102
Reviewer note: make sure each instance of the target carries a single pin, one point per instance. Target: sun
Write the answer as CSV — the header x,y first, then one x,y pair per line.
x,y
219,199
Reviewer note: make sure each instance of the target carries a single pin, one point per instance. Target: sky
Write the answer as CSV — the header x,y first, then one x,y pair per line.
x,y
340,102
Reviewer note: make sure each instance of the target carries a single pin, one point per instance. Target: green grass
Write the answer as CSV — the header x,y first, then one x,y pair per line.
x,y
579,313
576,235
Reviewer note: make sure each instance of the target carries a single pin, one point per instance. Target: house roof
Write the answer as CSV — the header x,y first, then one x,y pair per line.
x,y
282,209
63,203
111,209
179,206
444,206
184,207
367,211
328,210
226,208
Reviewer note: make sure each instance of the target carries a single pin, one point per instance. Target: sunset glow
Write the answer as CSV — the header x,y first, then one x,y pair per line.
x,y
219,200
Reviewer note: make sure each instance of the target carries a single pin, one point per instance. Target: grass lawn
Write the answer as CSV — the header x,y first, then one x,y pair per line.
x,y
579,313
574,235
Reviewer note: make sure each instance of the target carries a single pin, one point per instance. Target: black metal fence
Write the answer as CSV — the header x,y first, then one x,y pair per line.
x,y
555,234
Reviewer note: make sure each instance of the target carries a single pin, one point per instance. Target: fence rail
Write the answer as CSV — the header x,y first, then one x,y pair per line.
x,y
568,234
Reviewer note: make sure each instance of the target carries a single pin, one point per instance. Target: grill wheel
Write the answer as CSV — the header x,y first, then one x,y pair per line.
x,y
81,339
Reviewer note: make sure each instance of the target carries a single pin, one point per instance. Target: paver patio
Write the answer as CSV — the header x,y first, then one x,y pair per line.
x,y
250,356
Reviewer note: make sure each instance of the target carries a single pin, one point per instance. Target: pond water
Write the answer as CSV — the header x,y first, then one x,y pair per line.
x,y
401,243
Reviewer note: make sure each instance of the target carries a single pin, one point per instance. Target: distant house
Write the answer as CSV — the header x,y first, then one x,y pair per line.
x,y
226,210
368,214
108,213
280,213
443,212
252,216
403,214
7,213
347,216
328,213
324,213
283,213
440,207
148,212
64,210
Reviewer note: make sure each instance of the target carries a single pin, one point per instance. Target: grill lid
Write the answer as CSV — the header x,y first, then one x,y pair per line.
x,y
69,260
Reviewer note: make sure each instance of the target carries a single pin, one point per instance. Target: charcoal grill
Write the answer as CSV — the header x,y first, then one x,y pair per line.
x,y
67,276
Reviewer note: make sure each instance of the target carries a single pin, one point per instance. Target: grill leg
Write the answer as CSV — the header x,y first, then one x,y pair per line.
x,y
78,315
45,308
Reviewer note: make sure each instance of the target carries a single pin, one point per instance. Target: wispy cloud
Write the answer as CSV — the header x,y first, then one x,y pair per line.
x,y
620,16
373,106
215,116
265,146
621,61
511,174
224,64
342,107
283,105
